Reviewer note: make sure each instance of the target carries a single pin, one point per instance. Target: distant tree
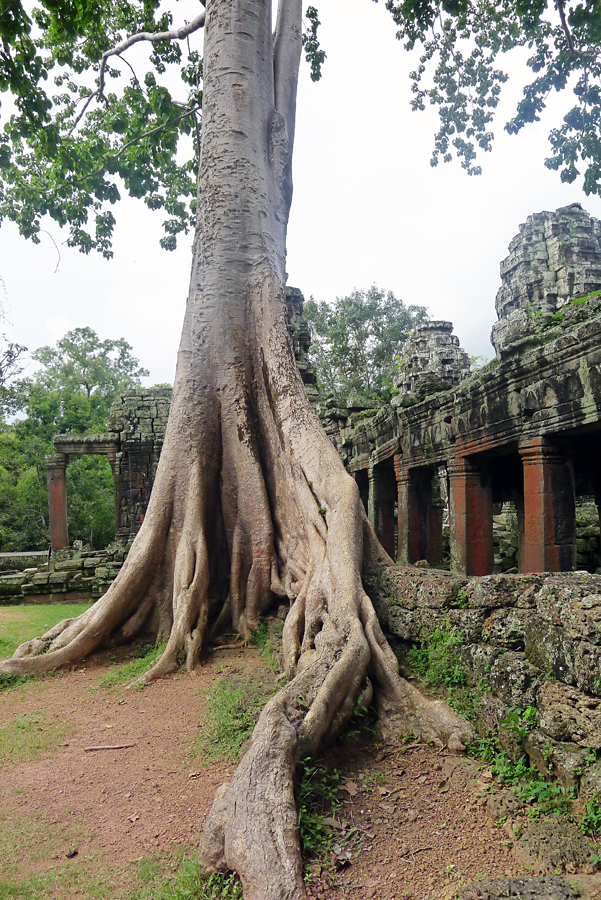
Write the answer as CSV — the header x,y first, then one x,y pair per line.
x,y
11,360
356,342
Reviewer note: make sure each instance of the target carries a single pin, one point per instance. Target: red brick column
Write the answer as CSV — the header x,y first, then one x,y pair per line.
x,y
549,542
382,497
408,514
471,522
57,500
419,519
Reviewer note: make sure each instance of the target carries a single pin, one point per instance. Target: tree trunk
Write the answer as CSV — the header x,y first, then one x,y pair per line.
x,y
250,497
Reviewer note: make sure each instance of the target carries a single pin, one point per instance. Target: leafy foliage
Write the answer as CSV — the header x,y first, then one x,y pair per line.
x,y
356,341
69,145
460,43
87,121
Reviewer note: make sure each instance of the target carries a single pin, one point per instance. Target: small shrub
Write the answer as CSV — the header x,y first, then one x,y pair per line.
x,y
438,660
591,822
318,803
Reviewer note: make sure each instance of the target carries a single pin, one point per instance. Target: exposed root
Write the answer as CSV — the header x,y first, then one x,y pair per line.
x,y
401,707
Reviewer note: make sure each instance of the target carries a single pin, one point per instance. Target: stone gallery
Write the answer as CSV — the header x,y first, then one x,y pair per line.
x,y
512,447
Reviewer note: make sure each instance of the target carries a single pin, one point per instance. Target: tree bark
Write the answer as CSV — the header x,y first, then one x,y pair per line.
x,y
250,498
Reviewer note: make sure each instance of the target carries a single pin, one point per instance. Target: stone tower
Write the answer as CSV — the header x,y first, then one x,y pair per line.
x,y
431,360
556,258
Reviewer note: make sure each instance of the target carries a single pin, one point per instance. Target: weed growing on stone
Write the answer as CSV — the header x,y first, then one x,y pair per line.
x,y
540,796
437,660
233,708
519,721
591,821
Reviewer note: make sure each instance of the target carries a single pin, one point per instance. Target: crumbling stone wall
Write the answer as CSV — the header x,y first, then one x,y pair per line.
x,y
529,641
65,577
431,360
137,423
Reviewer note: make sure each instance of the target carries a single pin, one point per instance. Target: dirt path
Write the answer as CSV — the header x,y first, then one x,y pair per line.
x,y
90,814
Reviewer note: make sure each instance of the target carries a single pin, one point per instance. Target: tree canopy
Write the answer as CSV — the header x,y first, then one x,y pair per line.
x,y
356,341
85,120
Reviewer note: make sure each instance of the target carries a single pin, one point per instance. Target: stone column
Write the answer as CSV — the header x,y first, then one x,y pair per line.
x,y
408,515
470,507
419,515
549,542
382,497
57,500
361,477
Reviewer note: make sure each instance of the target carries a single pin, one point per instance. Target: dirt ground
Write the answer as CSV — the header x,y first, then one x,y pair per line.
x,y
419,814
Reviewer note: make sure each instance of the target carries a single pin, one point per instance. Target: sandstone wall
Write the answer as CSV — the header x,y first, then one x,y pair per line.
x,y
527,641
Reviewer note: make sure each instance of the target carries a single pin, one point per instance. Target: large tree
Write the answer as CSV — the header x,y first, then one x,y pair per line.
x,y
250,498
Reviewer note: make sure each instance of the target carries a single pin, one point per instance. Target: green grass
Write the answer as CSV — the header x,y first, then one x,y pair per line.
x,y
233,707
26,843
186,883
63,882
26,621
268,638
122,675
31,736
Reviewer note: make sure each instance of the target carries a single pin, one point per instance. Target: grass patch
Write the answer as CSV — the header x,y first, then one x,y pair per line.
x,y
31,736
26,621
186,883
27,843
233,707
268,638
63,882
145,656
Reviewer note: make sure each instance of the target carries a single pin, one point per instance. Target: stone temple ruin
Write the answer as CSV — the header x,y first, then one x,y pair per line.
x,y
494,475
505,454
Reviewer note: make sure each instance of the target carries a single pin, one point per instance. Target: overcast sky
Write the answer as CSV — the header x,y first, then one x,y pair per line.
x,y
367,208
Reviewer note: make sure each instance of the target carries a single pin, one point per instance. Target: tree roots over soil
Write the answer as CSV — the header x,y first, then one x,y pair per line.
x,y
289,521
251,499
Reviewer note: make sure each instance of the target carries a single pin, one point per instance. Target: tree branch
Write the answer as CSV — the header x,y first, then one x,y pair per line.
x,y
286,62
176,34
566,28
